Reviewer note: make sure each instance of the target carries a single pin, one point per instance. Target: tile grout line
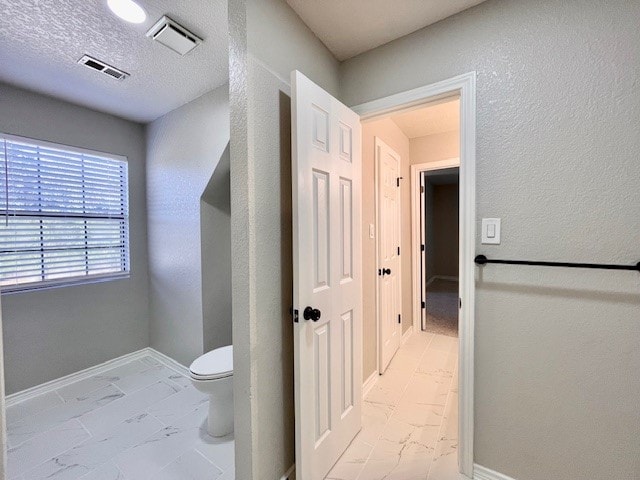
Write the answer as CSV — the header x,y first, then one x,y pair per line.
x,y
394,406
413,373
444,419
222,471
65,402
162,425
61,453
91,436
59,396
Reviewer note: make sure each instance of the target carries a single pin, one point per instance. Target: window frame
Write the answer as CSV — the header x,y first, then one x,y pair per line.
x,y
75,280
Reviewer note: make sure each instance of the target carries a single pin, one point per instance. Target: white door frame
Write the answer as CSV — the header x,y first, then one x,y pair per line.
x,y
376,178
416,252
464,86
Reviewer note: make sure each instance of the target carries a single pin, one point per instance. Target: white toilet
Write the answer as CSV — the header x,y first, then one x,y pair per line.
x,y
212,373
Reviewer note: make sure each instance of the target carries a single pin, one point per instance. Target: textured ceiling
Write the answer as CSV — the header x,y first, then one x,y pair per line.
x,y
41,41
351,27
430,120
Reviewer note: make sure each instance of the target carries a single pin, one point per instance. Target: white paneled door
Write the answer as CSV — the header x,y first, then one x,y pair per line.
x,y
389,288
326,140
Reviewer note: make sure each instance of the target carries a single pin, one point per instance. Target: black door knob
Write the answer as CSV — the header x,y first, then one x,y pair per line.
x,y
386,271
311,314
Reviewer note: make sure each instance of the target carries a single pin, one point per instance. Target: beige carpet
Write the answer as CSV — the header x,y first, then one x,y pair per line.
x,y
442,307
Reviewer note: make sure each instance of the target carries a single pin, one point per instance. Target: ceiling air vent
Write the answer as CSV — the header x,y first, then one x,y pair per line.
x,y
95,64
175,36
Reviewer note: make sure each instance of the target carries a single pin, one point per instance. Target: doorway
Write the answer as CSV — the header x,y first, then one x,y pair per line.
x,y
438,269
439,354
459,406
409,422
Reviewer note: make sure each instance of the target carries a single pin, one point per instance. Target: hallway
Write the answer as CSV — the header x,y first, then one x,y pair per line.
x,y
409,425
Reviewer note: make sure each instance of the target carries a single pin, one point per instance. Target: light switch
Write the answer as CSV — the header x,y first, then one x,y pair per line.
x,y
491,231
372,231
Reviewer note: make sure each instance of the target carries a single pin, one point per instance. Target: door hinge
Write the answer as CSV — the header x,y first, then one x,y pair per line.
x,y
421,189
459,303
294,314
423,305
398,181
399,318
422,247
398,250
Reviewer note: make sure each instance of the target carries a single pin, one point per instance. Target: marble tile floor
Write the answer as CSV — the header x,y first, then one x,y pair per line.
x,y
138,421
409,425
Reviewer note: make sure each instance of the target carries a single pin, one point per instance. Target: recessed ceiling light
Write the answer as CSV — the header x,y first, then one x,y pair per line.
x,y
128,10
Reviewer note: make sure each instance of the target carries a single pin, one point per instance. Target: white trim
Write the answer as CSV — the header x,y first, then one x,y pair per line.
x,y
465,86
168,362
369,383
406,335
58,383
441,277
484,473
439,165
416,254
448,278
62,146
291,473
417,97
63,282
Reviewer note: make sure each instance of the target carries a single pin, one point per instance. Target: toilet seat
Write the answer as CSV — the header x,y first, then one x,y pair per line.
x,y
213,365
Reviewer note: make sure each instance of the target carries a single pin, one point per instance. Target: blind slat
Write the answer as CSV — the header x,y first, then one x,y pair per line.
x,y
65,214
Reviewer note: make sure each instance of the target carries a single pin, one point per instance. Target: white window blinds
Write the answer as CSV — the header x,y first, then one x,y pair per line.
x,y
64,214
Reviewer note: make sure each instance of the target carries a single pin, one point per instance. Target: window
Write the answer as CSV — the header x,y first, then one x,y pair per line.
x,y
64,215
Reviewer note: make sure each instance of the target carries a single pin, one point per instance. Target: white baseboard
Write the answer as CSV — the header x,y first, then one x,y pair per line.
x,y
291,473
369,383
58,383
168,361
442,277
484,473
447,278
406,335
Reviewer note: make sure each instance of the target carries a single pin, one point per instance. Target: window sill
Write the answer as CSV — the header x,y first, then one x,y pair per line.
x,y
66,282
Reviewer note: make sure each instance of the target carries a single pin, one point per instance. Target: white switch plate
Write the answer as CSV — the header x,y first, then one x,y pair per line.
x,y
491,231
372,231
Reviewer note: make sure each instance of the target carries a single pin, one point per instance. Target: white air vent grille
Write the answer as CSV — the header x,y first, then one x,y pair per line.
x,y
99,66
174,36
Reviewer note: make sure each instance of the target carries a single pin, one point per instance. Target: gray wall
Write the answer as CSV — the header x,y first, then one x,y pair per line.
x,y
183,149
558,131
444,226
267,41
215,234
55,332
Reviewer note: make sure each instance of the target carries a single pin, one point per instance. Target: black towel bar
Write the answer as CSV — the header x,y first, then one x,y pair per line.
x,y
483,260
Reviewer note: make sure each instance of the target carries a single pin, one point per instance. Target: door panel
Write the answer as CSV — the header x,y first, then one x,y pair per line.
x,y
389,287
326,143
